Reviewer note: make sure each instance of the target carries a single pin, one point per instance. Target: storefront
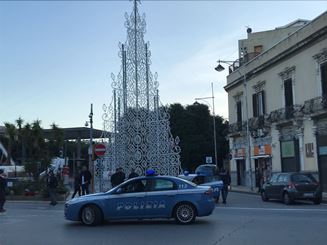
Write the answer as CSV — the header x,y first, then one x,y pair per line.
x,y
290,155
239,157
262,163
322,160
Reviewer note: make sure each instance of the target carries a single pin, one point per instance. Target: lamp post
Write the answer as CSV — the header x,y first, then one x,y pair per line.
x,y
214,121
91,165
220,68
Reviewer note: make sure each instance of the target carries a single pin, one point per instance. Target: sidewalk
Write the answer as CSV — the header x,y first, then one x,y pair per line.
x,y
247,190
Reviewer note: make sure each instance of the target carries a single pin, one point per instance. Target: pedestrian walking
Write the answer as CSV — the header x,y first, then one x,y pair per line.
x,y
3,184
52,183
77,184
225,177
133,174
85,179
118,177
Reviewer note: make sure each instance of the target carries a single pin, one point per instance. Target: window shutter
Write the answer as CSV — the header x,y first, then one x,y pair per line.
x,y
263,101
323,71
255,105
288,93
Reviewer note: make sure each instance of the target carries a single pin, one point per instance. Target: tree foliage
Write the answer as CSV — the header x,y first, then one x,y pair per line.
x,y
193,124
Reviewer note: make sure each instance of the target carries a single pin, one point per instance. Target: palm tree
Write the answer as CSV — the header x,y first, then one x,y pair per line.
x,y
19,123
10,132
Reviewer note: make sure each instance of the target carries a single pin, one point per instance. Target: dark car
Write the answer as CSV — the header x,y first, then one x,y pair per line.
x,y
292,186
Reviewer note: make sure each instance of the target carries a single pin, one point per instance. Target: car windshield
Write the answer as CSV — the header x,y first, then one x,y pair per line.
x,y
301,178
188,182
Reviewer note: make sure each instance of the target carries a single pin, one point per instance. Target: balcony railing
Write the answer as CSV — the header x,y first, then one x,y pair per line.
x,y
310,107
241,61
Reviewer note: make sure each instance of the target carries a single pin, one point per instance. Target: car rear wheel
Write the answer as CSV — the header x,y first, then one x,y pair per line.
x,y
287,199
91,215
264,196
185,213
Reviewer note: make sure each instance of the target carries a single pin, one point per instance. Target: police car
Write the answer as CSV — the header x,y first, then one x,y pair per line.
x,y
201,179
142,198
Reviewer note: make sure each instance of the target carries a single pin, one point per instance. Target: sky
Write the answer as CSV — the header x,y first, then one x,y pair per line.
x,y
56,57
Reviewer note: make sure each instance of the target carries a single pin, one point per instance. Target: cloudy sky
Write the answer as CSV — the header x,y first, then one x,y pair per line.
x,y
56,57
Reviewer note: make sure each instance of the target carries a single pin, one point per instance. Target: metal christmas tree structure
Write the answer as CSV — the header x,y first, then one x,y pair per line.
x,y
140,135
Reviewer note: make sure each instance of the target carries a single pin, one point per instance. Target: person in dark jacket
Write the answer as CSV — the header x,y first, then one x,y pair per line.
x,y
2,190
85,179
133,174
225,177
52,186
77,184
118,177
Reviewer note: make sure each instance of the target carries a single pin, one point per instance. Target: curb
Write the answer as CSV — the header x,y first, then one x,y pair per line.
x,y
257,194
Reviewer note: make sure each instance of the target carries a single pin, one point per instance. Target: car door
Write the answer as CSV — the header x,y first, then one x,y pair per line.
x,y
161,197
282,181
128,201
271,185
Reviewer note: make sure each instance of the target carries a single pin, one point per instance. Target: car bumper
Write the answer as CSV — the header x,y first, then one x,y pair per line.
x,y
305,195
71,212
206,207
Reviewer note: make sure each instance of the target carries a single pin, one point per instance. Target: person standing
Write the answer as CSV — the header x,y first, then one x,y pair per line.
x,y
118,177
133,174
2,190
85,179
77,185
225,177
52,186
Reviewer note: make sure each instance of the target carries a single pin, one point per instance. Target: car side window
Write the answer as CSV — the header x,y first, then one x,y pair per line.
x,y
282,178
274,178
160,185
134,186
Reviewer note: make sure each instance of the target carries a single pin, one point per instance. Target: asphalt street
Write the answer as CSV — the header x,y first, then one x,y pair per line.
x,y
245,219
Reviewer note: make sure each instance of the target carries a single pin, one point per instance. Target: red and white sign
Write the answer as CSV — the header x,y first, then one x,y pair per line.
x,y
99,150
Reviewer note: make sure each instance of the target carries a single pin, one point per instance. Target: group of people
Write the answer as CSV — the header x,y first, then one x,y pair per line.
x,y
119,176
82,181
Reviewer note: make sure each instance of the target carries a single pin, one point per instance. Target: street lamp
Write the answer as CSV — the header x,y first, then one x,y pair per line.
x,y
214,121
220,68
91,165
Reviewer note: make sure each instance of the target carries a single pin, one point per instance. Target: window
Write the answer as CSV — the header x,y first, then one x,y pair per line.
x,y
323,71
273,178
258,49
258,102
288,93
239,111
160,185
282,178
134,186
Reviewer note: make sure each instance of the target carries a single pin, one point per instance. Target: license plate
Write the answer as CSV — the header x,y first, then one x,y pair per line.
x,y
308,194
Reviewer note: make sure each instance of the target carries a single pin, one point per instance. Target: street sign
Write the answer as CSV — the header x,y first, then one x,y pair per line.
x,y
208,159
99,150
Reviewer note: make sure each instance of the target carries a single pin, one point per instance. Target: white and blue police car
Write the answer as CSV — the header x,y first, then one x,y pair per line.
x,y
202,179
144,197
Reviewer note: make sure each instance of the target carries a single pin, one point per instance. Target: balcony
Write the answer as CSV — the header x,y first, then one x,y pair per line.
x,y
315,105
239,62
285,114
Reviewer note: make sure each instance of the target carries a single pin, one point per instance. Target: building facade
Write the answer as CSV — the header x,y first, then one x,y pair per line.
x,y
277,92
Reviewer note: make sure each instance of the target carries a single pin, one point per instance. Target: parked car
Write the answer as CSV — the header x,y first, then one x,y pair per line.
x,y
142,198
292,186
213,181
207,169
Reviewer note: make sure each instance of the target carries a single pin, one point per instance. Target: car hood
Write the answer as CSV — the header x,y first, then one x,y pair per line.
x,y
87,198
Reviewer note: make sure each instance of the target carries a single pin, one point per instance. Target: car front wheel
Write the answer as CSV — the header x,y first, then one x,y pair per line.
x,y
264,196
287,199
91,215
185,213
